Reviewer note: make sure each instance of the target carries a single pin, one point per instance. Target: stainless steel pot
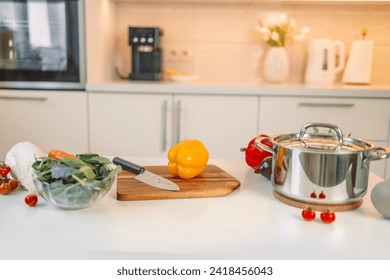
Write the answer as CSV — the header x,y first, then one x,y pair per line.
x,y
325,168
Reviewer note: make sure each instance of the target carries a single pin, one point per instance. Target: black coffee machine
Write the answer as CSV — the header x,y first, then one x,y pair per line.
x,y
146,53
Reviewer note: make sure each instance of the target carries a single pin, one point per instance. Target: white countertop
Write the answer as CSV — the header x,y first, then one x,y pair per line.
x,y
247,224
239,88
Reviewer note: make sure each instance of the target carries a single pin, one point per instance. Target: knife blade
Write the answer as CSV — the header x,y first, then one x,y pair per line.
x,y
146,176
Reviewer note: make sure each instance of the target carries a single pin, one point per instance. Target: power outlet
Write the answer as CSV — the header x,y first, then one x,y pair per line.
x,y
171,55
179,55
185,55
179,59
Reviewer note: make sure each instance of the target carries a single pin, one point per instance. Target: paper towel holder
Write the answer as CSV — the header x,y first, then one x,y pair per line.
x,y
359,62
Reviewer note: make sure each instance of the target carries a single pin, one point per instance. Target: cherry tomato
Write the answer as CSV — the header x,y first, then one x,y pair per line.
x,y
308,214
328,217
254,155
3,172
14,184
5,188
7,169
31,200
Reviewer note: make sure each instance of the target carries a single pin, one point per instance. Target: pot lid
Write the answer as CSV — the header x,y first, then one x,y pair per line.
x,y
322,142
333,140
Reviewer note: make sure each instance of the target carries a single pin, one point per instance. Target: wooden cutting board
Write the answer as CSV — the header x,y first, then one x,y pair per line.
x,y
213,182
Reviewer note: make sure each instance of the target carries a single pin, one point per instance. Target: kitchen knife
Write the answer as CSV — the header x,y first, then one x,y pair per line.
x,y
146,176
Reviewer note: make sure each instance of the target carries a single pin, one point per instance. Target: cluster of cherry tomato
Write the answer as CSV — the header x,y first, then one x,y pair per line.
x,y
7,185
327,216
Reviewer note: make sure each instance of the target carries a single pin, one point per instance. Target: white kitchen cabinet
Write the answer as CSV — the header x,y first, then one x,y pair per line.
x,y
367,119
49,119
124,124
223,123
149,124
387,174
364,118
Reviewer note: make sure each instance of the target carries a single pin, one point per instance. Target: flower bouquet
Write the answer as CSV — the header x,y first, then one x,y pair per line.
x,y
276,30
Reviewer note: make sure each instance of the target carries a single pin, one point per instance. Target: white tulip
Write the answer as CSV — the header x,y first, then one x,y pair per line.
x,y
265,37
282,19
305,30
265,23
264,32
275,36
292,23
299,37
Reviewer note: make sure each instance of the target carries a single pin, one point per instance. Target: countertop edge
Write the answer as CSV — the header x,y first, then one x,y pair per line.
x,y
238,89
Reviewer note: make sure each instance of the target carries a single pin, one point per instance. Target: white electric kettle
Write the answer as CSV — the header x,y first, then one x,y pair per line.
x,y
321,68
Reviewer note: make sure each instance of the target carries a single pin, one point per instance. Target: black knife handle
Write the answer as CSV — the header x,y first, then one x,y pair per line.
x,y
127,165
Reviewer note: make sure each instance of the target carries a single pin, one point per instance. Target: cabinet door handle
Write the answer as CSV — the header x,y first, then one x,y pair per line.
x,y
23,98
164,120
178,121
328,105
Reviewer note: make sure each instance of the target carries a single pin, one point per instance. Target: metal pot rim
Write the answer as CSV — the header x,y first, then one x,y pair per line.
x,y
335,143
322,142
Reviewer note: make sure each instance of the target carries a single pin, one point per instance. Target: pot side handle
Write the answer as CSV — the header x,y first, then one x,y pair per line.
x,y
378,153
263,147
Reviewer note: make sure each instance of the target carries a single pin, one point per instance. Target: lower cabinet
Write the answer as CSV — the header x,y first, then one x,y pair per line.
x,y
224,123
49,119
368,119
147,125
122,124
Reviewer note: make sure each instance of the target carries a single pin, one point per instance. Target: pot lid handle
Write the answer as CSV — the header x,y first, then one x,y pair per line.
x,y
335,128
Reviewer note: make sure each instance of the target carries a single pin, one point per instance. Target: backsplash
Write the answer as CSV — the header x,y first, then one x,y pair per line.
x,y
219,43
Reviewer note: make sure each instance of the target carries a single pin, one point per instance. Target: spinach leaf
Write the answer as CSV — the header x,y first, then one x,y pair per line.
x,y
85,168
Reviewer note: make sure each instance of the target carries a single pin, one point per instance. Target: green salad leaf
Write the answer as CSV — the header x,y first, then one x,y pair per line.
x,y
84,168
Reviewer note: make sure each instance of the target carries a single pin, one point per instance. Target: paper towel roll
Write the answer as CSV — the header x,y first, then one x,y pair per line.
x,y
358,69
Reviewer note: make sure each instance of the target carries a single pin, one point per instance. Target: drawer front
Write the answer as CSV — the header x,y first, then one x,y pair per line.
x,y
49,119
129,124
368,119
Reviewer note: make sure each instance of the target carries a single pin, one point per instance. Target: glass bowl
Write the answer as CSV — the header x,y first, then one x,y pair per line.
x,y
74,196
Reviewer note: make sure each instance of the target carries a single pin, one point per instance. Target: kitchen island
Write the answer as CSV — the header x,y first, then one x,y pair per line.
x,y
249,223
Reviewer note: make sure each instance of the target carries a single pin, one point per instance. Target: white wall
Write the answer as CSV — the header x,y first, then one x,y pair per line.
x,y
224,45
100,39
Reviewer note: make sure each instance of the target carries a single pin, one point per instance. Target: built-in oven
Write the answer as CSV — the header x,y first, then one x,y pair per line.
x,y
42,44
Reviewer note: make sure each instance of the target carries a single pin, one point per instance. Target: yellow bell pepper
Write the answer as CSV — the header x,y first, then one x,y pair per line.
x,y
187,159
